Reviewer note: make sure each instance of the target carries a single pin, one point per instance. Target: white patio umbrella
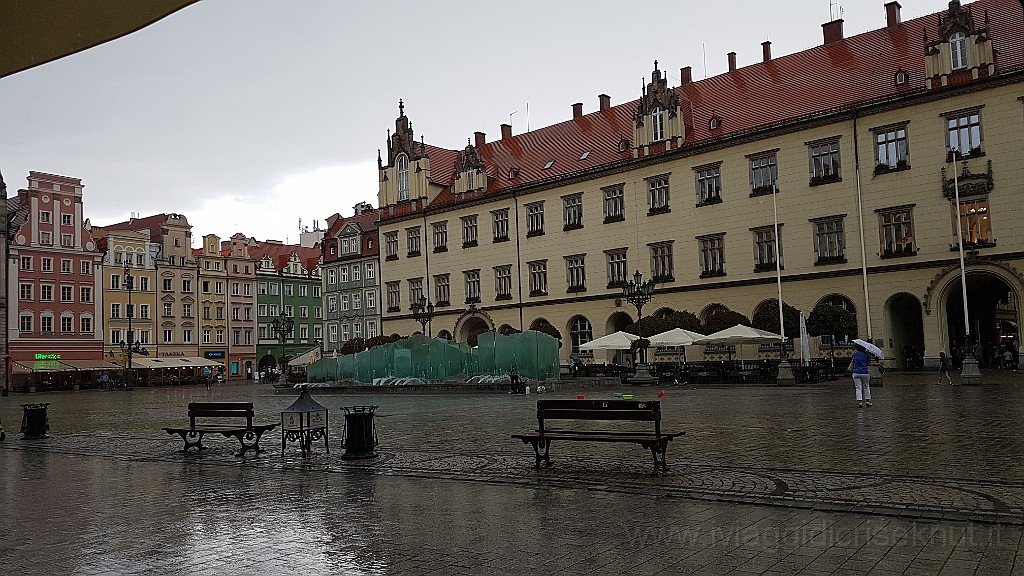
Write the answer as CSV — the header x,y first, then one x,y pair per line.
x,y
740,334
614,341
805,345
676,337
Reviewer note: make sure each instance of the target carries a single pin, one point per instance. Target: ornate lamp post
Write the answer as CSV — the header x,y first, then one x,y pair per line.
x,y
130,347
423,312
282,327
639,292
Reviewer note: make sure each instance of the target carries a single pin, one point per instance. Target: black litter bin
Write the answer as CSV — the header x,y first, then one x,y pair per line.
x,y
34,423
360,434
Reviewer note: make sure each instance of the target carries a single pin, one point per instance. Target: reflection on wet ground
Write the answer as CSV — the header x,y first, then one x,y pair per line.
x,y
107,493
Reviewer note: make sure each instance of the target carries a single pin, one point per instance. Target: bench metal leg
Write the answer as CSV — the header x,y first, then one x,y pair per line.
x,y
538,444
250,440
193,439
658,452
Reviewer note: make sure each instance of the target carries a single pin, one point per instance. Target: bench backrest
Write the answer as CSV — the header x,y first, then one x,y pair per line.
x,y
628,410
220,410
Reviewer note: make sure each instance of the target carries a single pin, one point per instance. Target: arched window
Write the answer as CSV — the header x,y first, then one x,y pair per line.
x,y
580,332
840,301
403,176
958,50
658,124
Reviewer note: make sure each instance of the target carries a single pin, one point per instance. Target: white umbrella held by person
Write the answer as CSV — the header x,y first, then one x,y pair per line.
x,y
870,348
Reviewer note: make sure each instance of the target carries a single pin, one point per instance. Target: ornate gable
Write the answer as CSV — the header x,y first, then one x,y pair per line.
x,y
962,51
658,122
656,95
403,140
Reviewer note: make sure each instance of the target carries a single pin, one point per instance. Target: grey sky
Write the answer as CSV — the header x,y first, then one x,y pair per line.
x,y
247,116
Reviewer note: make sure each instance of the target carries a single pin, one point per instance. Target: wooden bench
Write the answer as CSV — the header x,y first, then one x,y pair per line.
x,y
599,410
248,434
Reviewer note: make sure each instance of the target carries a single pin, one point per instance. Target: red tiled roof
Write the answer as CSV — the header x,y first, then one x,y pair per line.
x,y
151,224
858,70
281,253
367,222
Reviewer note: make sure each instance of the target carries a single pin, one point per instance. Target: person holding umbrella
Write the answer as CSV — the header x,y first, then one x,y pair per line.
x,y
859,367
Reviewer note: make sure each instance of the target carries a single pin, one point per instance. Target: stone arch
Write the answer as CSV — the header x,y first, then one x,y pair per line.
x,y
905,327
617,321
580,331
766,302
663,312
841,300
538,322
267,361
993,290
711,309
472,322
444,334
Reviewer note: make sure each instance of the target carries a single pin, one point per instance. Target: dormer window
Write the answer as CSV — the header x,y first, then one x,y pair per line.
x,y
958,50
469,179
658,124
402,162
900,78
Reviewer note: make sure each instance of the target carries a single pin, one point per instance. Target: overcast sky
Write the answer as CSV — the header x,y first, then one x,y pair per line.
x,y
247,116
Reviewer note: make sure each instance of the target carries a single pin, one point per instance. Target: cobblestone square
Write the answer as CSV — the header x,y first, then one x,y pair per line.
x,y
929,480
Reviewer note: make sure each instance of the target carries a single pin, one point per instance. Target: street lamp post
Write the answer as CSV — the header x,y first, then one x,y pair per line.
x,y
130,347
969,373
423,312
282,327
639,292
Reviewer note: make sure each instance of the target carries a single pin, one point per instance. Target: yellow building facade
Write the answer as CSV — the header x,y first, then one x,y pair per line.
x,y
877,156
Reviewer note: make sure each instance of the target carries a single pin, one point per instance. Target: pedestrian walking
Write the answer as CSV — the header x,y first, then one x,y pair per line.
x,y
943,369
861,378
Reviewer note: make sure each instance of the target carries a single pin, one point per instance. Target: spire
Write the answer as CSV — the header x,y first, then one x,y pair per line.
x,y
401,107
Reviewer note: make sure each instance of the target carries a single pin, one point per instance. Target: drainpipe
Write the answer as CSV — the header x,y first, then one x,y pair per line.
x,y
519,263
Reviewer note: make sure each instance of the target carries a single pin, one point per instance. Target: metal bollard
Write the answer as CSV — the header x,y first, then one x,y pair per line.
x,y
34,423
360,433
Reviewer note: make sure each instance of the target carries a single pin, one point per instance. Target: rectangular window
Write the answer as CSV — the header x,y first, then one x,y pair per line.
x,y
186,336
469,231
24,324
975,224
332,276
167,285
534,219
261,289
357,301
343,271
168,336
46,323
712,255
764,248
26,263
412,238
440,237
45,293
168,310
332,332
415,290
304,290
661,262
303,311
572,212
289,289
357,330
67,240
186,286
247,289
371,329
86,268
44,217
657,194
85,294
67,324
370,296
538,278
617,267
65,266
763,173
236,337
85,324
25,292
472,286
394,290
896,231
503,282
236,313
391,245
47,264
824,162
575,273
115,282
275,288
220,288
369,271
829,240
207,336
115,337
499,220
963,131
709,184
318,312
355,272
206,286
235,289
144,283
248,337
442,290
220,336
614,204
186,311
303,332
891,149
65,219
47,239
66,293
332,304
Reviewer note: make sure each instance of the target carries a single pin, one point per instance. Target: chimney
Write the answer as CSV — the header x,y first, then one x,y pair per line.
x,y
892,14
506,131
481,139
832,31
685,77
732,61
605,102
766,50
577,110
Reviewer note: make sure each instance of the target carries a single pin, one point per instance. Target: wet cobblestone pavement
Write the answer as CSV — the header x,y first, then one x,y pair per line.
x,y
930,480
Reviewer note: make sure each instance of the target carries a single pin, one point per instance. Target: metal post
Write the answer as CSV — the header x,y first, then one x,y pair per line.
x,y
969,374
785,377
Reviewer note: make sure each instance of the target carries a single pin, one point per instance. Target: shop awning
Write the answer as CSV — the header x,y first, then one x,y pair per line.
x,y
19,368
90,365
180,362
306,358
